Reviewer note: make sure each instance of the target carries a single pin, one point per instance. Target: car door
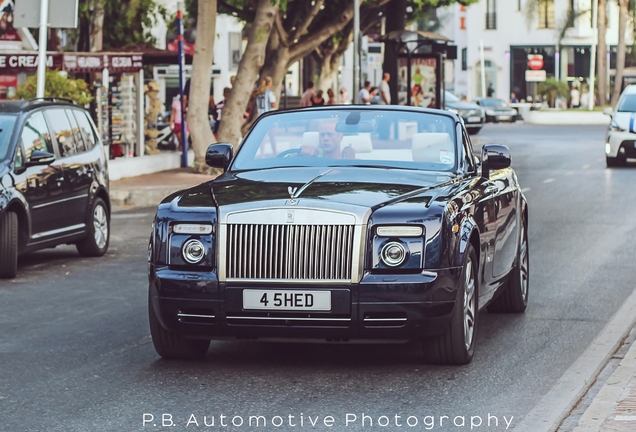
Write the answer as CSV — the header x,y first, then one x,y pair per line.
x,y
505,196
43,185
78,173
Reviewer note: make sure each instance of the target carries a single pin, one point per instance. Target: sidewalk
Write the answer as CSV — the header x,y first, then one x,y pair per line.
x,y
150,189
555,117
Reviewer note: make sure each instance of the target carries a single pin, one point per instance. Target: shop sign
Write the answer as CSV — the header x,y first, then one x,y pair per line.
x,y
28,62
535,75
124,63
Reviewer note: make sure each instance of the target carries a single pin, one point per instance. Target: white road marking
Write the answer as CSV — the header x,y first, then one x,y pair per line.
x,y
550,180
569,173
129,216
625,418
548,414
586,166
525,189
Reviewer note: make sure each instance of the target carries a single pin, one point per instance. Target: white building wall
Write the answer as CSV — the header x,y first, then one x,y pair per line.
x,y
513,29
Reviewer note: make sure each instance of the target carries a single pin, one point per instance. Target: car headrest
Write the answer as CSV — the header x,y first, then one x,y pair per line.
x,y
434,147
311,139
361,142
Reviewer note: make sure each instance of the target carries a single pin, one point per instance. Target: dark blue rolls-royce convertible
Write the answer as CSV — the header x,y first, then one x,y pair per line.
x,y
342,224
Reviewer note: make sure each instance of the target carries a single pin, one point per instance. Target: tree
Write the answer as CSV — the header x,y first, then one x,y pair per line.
x,y
601,58
115,23
249,66
552,88
623,14
199,97
57,84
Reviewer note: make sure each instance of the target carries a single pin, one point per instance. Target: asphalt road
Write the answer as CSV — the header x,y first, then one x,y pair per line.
x,y
76,355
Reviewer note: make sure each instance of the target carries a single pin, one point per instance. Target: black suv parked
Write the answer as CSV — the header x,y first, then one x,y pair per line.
x,y
53,181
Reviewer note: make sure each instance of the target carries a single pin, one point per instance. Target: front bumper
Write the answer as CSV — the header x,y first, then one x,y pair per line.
x,y
624,140
380,307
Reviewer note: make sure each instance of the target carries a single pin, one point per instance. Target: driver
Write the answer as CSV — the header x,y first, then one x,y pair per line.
x,y
329,142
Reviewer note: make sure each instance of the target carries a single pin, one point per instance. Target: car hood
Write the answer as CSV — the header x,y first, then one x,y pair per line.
x,y
463,106
624,120
366,187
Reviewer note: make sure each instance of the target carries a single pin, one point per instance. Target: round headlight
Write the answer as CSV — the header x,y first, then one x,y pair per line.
x,y
193,251
393,254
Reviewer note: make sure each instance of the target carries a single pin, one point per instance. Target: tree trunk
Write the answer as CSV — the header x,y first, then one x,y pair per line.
x,y
277,63
620,50
96,28
601,54
249,66
199,97
394,21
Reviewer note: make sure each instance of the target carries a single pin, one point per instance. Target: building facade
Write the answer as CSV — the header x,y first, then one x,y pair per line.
x,y
510,34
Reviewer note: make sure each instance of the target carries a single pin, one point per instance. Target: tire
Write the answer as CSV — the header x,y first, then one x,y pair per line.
x,y
457,345
473,131
9,245
173,346
95,244
514,299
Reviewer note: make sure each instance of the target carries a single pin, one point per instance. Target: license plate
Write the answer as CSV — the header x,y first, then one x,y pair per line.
x,y
287,300
474,119
504,117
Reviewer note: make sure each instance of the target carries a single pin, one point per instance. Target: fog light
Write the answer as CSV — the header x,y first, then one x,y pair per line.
x,y
193,251
393,254
608,148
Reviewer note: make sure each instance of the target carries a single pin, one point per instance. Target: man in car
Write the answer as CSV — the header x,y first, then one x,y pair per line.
x,y
329,142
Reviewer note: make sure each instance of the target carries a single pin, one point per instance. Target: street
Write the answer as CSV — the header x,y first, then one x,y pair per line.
x,y
76,353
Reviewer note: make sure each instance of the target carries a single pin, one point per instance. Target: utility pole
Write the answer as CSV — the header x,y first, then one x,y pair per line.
x,y
42,42
590,91
356,50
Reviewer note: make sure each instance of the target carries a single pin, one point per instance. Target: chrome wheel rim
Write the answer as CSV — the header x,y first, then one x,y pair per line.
x,y
469,305
523,264
100,226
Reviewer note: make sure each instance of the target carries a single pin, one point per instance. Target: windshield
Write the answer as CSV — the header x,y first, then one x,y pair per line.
x,y
351,137
7,122
493,103
627,103
450,97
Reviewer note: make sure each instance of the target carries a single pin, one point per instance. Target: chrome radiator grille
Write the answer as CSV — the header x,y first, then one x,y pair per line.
x,y
289,252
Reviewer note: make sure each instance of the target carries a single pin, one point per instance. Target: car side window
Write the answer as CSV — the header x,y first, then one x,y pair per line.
x,y
86,131
77,134
35,135
468,152
63,131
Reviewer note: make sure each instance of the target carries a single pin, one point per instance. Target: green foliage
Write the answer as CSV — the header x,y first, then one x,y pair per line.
x,y
551,88
126,22
57,85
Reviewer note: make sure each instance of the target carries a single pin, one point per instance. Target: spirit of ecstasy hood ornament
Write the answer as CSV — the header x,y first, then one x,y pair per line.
x,y
294,192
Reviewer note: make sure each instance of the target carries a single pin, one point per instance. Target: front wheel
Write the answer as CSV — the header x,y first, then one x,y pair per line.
x,y
95,244
170,345
9,245
457,345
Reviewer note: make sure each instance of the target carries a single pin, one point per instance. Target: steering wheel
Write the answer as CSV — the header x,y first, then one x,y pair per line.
x,y
286,153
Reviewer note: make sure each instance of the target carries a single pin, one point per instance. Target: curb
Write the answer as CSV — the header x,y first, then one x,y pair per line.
x,y
142,197
555,406
614,407
566,118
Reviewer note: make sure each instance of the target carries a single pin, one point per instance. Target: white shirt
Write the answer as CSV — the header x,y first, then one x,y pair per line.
x,y
384,88
364,95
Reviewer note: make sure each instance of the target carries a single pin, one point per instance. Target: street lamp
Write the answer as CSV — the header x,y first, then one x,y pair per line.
x,y
590,104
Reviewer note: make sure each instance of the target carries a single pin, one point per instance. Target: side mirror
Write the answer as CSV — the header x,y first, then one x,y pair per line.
x,y
39,157
494,157
219,155
608,111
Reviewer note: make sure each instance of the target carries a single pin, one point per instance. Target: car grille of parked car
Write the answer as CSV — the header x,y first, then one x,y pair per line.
x,y
290,252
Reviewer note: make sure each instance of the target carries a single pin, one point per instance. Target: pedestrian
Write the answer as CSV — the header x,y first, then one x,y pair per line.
x,y
575,97
265,97
332,97
513,98
306,98
290,91
385,90
317,99
364,96
344,96
219,109
490,90
175,119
